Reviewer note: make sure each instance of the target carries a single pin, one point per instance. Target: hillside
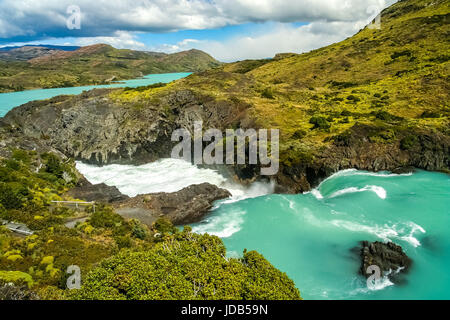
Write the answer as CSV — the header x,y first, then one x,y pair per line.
x,y
26,53
375,101
370,101
38,67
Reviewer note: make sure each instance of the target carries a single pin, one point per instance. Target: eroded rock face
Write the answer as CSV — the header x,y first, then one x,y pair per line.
x,y
96,192
186,206
389,257
355,150
95,128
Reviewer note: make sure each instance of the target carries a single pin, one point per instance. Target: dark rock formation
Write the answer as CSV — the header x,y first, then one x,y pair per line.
x,y
389,257
96,192
354,149
182,207
95,128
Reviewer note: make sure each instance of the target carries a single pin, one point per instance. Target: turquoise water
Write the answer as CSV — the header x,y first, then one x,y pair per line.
x,y
310,236
14,99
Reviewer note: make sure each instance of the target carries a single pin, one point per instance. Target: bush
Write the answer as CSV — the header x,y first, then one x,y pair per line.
x,y
186,266
346,113
299,134
105,217
320,123
163,225
430,114
53,165
353,98
409,142
12,195
138,231
399,54
267,93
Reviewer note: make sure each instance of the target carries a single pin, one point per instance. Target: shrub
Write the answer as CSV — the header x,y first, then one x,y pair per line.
x,y
163,225
12,195
267,93
346,113
353,98
53,165
430,114
399,54
320,123
138,231
386,116
409,142
299,134
16,277
186,266
105,217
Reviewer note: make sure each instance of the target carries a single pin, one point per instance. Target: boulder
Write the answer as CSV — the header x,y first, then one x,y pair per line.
x,y
186,206
96,192
389,257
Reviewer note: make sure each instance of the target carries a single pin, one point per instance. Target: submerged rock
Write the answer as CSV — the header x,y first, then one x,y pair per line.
x,y
389,257
182,207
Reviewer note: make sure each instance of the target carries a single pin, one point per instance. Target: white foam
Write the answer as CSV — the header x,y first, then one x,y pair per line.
x,y
316,193
379,191
167,175
410,236
223,225
399,231
386,233
355,172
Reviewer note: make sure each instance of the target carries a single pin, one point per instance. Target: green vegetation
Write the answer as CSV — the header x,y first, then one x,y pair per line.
x,y
97,64
186,266
118,258
393,78
392,82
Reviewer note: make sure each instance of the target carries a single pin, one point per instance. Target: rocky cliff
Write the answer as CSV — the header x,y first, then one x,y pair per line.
x,y
375,101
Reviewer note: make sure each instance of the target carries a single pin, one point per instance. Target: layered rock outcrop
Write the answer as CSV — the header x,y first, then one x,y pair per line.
x,y
186,206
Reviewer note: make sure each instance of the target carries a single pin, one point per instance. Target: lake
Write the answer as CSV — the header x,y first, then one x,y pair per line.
x,y
14,99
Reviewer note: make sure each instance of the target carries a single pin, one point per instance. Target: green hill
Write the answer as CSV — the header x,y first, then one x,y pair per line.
x,y
385,87
96,64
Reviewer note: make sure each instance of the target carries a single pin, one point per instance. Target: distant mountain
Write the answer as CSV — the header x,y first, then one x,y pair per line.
x,y
25,53
48,46
31,67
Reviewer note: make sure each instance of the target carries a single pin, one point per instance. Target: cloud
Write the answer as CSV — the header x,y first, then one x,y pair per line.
x,y
28,20
281,37
120,40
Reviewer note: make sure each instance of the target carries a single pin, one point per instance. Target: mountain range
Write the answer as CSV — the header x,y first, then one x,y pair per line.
x,y
31,67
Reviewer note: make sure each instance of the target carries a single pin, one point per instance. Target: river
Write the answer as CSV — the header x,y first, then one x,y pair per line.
x,y
311,236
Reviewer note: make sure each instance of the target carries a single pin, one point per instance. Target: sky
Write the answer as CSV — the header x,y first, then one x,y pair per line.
x,y
229,30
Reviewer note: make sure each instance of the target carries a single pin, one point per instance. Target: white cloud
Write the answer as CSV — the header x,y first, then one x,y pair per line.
x,y
281,38
117,23
120,40
47,18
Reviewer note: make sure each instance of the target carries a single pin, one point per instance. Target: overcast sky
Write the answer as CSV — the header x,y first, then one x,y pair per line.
x,y
227,29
